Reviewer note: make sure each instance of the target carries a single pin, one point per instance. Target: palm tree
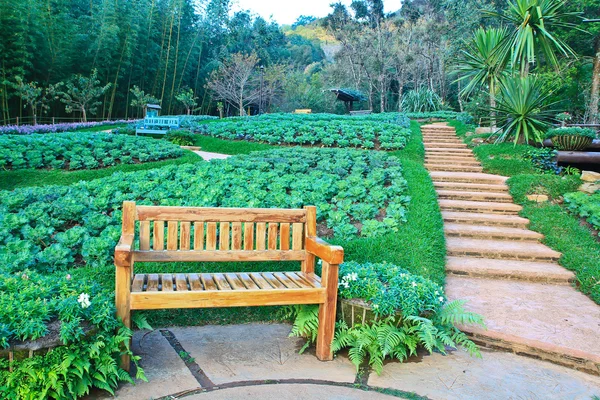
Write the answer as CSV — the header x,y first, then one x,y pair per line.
x,y
534,21
478,66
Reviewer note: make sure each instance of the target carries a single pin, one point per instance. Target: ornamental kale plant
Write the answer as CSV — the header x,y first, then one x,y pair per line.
x,y
80,150
53,228
54,128
586,206
544,160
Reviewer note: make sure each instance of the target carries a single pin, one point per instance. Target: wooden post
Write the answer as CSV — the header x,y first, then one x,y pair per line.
x,y
17,121
329,280
308,265
124,271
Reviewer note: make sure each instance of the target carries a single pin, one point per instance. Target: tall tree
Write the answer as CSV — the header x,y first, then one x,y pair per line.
x,y
81,93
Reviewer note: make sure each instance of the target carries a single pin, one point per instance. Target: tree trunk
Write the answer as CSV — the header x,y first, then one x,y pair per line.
x,y
34,115
594,94
492,104
83,114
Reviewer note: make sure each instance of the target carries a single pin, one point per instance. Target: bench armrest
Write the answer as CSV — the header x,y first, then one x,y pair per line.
x,y
326,252
123,251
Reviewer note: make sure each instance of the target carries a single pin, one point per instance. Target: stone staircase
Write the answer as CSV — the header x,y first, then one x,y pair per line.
x,y
501,268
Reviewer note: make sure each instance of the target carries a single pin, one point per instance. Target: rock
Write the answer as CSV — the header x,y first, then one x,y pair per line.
x,y
469,134
589,187
483,129
477,141
538,198
590,176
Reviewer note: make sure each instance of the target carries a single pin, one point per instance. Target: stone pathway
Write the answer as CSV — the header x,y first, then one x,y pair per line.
x,y
502,268
212,156
260,361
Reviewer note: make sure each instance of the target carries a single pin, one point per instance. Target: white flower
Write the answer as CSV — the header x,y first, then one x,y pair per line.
x,y
353,276
414,284
84,300
376,306
436,293
441,299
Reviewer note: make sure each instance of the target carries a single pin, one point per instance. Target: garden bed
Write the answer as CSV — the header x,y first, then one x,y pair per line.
x,y
74,151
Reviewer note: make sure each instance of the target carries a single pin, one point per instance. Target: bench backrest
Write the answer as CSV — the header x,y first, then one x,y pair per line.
x,y
303,111
218,234
162,121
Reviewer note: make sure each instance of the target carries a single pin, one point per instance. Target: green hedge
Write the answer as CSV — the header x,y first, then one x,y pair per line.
x,y
82,150
571,131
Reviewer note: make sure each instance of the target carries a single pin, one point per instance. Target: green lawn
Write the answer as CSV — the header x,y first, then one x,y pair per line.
x,y
215,145
100,128
36,177
562,230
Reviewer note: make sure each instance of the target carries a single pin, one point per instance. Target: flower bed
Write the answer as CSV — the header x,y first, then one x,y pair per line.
x,y
55,128
83,150
585,206
410,312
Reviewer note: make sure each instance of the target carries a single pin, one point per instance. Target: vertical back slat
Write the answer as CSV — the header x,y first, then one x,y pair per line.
x,y
236,236
172,228
144,235
248,236
297,237
273,229
284,236
211,236
261,230
159,235
199,236
224,236
184,239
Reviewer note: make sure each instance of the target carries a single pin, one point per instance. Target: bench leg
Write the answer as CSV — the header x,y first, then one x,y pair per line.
x,y
329,280
122,292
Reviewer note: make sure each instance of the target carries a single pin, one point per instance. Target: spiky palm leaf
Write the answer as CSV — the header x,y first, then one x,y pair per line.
x,y
477,65
534,21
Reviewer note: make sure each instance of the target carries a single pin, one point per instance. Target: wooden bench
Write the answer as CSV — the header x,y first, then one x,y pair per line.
x,y
158,125
361,112
303,111
197,234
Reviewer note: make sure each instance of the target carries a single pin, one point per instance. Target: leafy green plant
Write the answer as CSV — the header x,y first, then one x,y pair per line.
x,y
411,312
180,137
523,109
586,206
422,100
544,160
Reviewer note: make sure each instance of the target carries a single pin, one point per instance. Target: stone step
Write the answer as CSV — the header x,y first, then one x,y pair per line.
x,y
441,137
485,207
498,197
500,249
490,232
437,129
450,155
441,176
509,269
452,161
470,187
485,219
445,145
429,141
455,168
550,322
431,150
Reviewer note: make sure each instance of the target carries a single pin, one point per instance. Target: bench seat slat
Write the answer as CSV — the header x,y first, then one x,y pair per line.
x,y
138,283
272,280
234,281
195,283
298,280
260,281
167,283
247,281
181,283
208,282
152,283
287,282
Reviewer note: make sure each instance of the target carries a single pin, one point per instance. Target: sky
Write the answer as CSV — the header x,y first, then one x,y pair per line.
x,y
286,11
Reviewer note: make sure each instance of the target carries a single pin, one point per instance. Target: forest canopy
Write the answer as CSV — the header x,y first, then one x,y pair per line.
x,y
182,54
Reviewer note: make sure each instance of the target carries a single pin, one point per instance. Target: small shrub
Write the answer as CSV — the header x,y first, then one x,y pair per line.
x,y
543,160
180,137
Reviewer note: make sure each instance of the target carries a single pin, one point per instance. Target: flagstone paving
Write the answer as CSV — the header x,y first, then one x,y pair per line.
x,y
503,269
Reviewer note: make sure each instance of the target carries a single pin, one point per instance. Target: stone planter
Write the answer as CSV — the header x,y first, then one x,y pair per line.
x,y
571,142
355,311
